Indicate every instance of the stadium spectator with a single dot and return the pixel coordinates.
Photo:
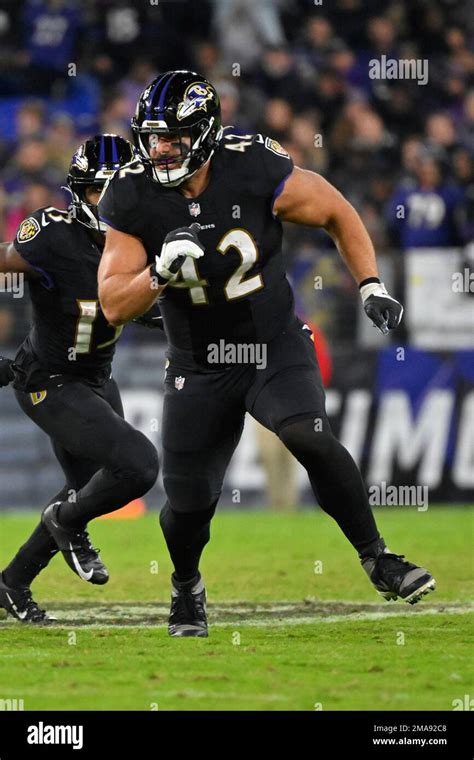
(244, 26)
(30, 120)
(36, 195)
(51, 29)
(303, 74)
(422, 211)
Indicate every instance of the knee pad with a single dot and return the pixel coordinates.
(188, 493)
(137, 459)
(172, 519)
(308, 439)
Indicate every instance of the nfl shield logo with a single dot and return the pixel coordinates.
(179, 383)
(194, 209)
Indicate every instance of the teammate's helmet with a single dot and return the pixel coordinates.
(93, 163)
(180, 103)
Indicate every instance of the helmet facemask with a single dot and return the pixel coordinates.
(171, 170)
(80, 209)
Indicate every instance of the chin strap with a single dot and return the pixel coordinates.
(77, 204)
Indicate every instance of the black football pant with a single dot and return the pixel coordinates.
(203, 419)
(106, 463)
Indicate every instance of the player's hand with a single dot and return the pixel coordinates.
(178, 244)
(384, 311)
(6, 371)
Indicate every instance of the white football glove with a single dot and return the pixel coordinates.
(384, 311)
(178, 244)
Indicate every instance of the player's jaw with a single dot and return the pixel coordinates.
(92, 194)
(168, 150)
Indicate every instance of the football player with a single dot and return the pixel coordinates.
(62, 378)
(227, 287)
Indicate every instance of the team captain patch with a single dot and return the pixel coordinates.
(28, 229)
(275, 147)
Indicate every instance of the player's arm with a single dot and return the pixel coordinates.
(125, 284)
(11, 261)
(307, 198)
(128, 287)
(6, 371)
(151, 319)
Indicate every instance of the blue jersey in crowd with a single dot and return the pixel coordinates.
(425, 217)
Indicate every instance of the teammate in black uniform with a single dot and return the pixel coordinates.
(62, 379)
(235, 344)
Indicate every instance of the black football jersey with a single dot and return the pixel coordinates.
(238, 291)
(69, 333)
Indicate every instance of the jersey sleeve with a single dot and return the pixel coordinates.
(33, 244)
(272, 167)
(119, 205)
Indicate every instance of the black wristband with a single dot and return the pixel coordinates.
(153, 273)
(368, 280)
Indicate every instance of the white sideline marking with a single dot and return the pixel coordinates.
(315, 617)
(355, 616)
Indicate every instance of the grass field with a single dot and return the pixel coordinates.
(282, 636)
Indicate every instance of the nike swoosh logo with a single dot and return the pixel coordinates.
(43, 221)
(79, 570)
(21, 615)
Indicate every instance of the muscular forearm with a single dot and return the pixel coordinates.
(307, 198)
(353, 242)
(126, 296)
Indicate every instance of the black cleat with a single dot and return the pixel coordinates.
(394, 577)
(188, 608)
(76, 548)
(19, 603)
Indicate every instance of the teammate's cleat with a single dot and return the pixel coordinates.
(19, 603)
(76, 548)
(188, 608)
(394, 577)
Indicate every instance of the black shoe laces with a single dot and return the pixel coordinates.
(187, 608)
(26, 603)
(84, 545)
(391, 563)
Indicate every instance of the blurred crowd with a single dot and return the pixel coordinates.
(294, 69)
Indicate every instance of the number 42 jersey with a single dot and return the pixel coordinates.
(238, 291)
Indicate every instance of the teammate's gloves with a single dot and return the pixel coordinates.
(151, 318)
(178, 244)
(384, 311)
(6, 371)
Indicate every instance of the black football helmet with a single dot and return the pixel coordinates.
(180, 103)
(93, 163)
